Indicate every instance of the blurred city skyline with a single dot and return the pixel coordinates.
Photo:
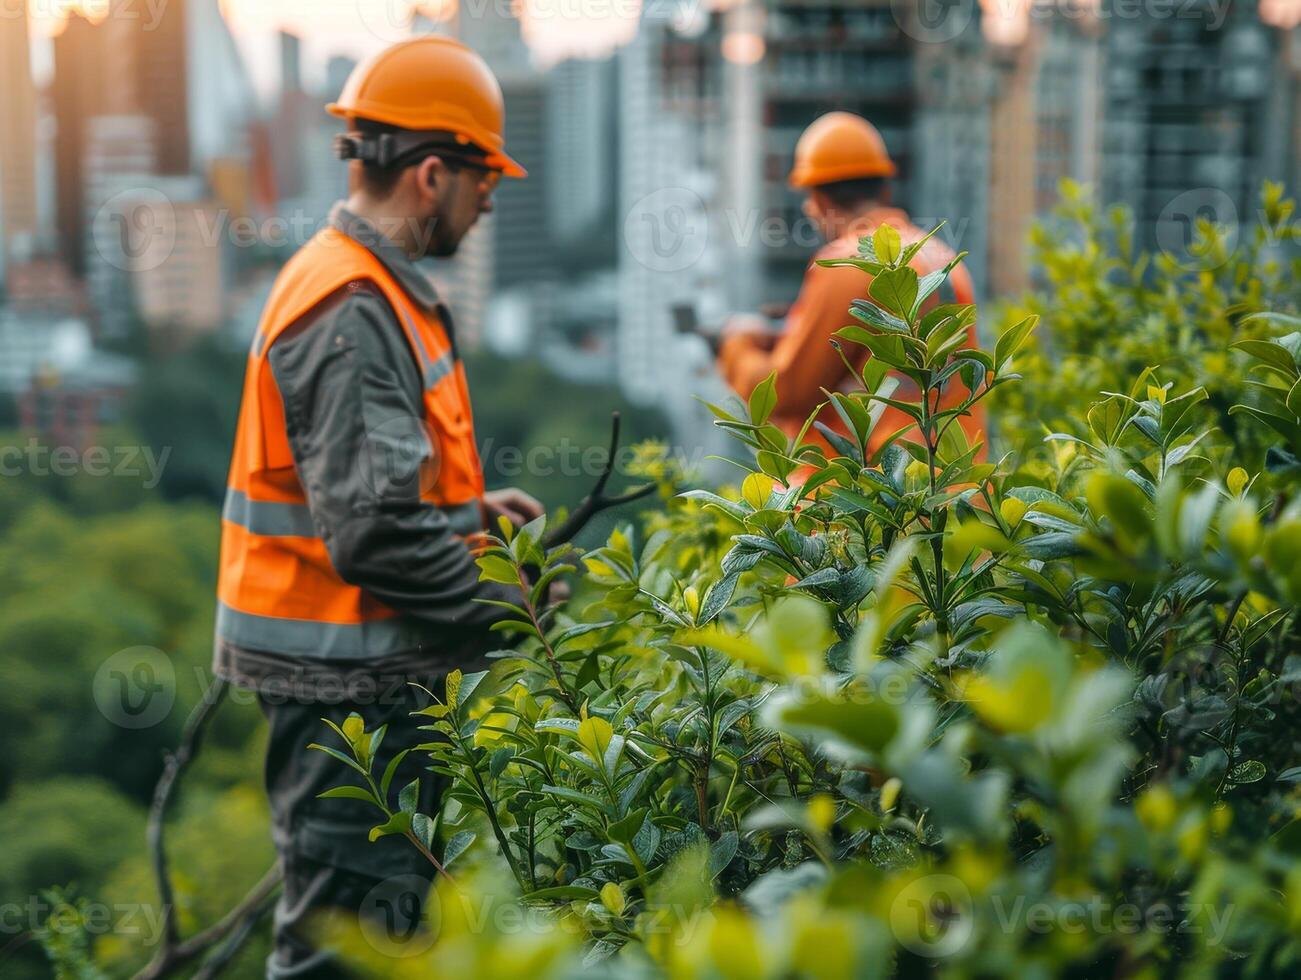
(356, 28)
(180, 151)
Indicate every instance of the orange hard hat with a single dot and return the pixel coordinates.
(839, 146)
(431, 83)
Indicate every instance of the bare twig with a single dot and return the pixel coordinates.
(174, 952)
(238, 923)
(597, 501)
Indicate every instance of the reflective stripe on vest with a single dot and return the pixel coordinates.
(269, 518)
(278, 590)
(325, 641)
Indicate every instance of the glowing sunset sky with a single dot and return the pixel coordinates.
(553, 28)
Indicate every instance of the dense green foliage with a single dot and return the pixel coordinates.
(940, 710)
(937, 709)
(1112, 310)
(83, 580)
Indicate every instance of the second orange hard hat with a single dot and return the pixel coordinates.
(427, 84)
(839, 146)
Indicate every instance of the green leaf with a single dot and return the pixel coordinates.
(594, 735)
(494, 568)
(1270, 353)
(409, 798)
(888, 347)
(886, 243)
(453, 685)
(500, 760)
(895, 290)
(720, 593)
(336, 754)
(626, 829)
(868, 266)
(573, 796)
(867, 725)
(399, 823)
(874, 316)
(763, 399)
(1121, 502)
(1252, 771)
(1012, 340)
(347, 793)
(458, 845)
(467, 687)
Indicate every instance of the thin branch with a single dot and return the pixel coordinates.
(173, 766)
(597, 501)
(233, 930)
(235, 926)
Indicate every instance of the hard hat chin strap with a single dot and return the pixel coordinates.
(386, 150)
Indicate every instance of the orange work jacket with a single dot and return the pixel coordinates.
(803, 357)
(277, 588)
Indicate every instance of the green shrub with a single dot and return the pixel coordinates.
(1111, 310)
(927, 710)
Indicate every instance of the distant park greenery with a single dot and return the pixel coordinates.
(939, 708)
(91, 565)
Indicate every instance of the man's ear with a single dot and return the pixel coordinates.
(817, 203)
(428, 172)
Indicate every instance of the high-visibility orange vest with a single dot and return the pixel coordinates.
(278, 590)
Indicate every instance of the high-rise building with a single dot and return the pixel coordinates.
(1195, 109)
(670, 258)
(582, 157)
(1177, 117)
(135, 62)
(819, 56)
(521, 248)
(177, 272)
(159, 52)
(18, 198)
(294, 116)
(82, 88)
(120, 173)
(951, 141)
(220, 96)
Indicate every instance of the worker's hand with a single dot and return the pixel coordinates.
(512, 503)
(754, 328)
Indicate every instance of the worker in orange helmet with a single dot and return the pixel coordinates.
(356, 496)
(842, 163)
